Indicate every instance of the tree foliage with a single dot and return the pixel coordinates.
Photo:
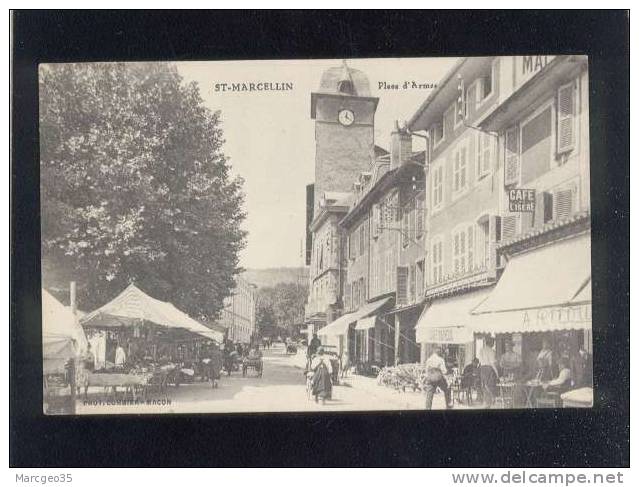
(281, 306)
(135, 186)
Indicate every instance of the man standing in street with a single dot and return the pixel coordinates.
(436, 369)
(488, 371)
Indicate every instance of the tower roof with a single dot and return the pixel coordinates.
(344, 80)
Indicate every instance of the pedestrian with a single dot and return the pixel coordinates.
(488, 371)
(322, 369)
(510, 362)
(120, 356)
(470, 380)
(314, 345)
(435, 371)
(545, 361)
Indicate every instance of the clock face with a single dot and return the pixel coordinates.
(346, 117)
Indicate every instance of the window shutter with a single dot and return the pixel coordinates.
(456, 172)
(420, 278)
(405, 225)
(511, 163)
(463, 163)
(527, 221)
(508, 226)
(471, 248)
(362, 290)
(480, 152)
(351, 239)
(375, 229)
(565, 119)
(347, 297)
(413, 283)
(548, 206)
(419, 218)
(563, 204)
(471, 99)
(402, 291)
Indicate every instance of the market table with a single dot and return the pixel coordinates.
(129, 381)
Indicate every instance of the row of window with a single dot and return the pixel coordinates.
(323, 253)
(469, 246)
(358, 240)
(475, 153)
(355, 294)
(382, 271)
(384, 219)
(474, 95)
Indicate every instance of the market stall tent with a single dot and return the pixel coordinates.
(62, 336)
(132, 306)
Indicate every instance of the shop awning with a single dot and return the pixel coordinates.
(542, 290)
(448, 320)
(554, 318)
(366, 323)
(585, 295)
(546, 277)
(341, 324)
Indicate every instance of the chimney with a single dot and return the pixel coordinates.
(401, 146)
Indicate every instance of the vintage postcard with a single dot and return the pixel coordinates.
(316, 235)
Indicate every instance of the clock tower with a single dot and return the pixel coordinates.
(344, 114)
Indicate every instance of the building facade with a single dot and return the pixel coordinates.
(344, 114)
(485, 233)
(462, 214)
(384, 233)
(326, 272)
(508, 217)
(238, 313)
(544, 293)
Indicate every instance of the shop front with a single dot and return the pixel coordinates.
(542, 306)
(353, 336)
(446, 324)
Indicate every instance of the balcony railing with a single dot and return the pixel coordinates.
(485, 272)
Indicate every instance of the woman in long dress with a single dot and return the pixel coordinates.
(322, 370)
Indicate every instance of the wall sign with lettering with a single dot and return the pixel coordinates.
(521, 200)
(527, 66)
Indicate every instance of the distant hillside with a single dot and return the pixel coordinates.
(272, 276)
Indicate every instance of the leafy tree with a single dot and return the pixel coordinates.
(135, 186)
(281, 306)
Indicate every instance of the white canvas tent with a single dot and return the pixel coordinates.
(62, 336)
(133, 306)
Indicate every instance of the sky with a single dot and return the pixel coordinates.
(270, 136)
